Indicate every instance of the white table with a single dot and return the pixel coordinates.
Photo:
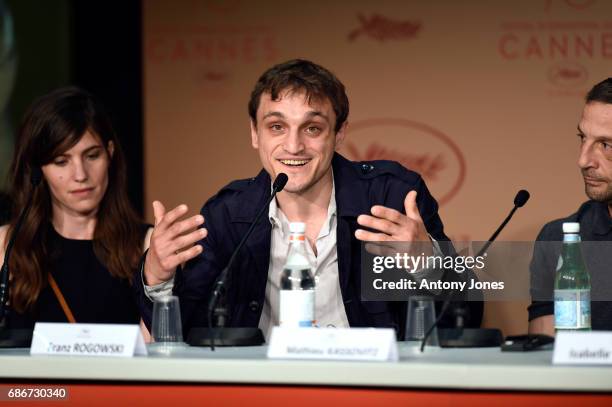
(445, 372)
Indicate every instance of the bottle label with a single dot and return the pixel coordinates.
(297, 308)
(572, 309)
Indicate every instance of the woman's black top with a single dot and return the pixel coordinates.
(92, 293)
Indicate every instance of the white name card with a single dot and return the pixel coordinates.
(333, 344)
(583, 348)
(114, 340)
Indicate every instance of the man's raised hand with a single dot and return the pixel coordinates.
(392, 224)
(172, 242)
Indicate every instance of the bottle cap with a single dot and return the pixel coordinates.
(297, 227)
(571, 227)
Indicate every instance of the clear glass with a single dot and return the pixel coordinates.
(421, 316)
(166, 326)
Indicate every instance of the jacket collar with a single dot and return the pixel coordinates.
(350, 200)
(602, 221)
(251, 199)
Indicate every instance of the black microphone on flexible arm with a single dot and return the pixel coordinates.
(15, 338)
(520, 200)
(461, 337)
(217, 308)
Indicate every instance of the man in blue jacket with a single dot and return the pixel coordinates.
(298, 114)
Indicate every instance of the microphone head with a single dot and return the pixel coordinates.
(521, 198)
(280, 182)
(36, 176)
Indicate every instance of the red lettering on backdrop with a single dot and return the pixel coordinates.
(226, 50)
(203, 48)
(533, 48)
(606, 45)
(555, 46)
(269, 48)
(179, 51)
(210, 54)
(504, 48)
(246, 49)
(566, 43)
(558, 45)
(582, 45)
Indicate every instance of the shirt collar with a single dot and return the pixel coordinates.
(275, 214)
(331, 212)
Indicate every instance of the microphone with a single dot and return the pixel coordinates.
(233, 336)
(277, 186)
(280, 182)
(15, 339)
(464, 337)
(520, 200)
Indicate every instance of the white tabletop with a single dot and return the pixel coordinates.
(486, 368)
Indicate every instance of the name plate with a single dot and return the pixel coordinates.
(583, 348)
(116, 340)
(333, 344)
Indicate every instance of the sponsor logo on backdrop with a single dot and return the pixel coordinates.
(568, 74)
(565, 45)
(417, 146)
(381, 28)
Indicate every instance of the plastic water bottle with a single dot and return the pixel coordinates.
(297, 285)
(572, 284)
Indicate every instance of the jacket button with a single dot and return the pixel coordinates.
(366, 168)
(254, 306)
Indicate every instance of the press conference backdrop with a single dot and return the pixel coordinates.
(481, 97)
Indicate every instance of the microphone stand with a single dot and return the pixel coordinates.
(220, 335)
(461, 337)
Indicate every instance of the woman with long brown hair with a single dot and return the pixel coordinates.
(75, 255)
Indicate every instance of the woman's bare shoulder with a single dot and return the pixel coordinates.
(3, 233)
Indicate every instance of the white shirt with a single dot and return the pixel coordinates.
(329, 307)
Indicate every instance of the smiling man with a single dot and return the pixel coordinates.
(594, 216)
(298, 112)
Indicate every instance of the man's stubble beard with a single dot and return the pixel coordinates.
(605, 196)
(308, 186)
